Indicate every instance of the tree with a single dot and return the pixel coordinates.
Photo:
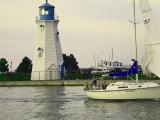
(70, 63)
(25, 66)
(4, 65)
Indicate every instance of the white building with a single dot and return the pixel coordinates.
(47, 57)
(109, 65)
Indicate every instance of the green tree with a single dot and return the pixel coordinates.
(4, 65)
(25, 66)
(70, 63)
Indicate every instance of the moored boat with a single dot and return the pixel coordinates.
(126, 91)
(150, 65)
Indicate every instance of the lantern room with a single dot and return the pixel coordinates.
(46, 11)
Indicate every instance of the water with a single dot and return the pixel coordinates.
(69, 103)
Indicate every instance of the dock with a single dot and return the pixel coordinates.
(56, 83)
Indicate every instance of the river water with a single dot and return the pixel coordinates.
(69, 103)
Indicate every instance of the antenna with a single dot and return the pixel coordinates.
(95, 59)
(109, 56)
(112, 53)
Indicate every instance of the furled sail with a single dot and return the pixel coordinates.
(151, 58)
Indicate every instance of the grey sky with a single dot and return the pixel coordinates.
(85, 26)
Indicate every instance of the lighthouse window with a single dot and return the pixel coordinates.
(44, 12)
(40, 52)
(42, 27)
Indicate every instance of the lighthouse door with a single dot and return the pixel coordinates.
(52, 73)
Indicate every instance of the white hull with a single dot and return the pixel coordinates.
(129, 94)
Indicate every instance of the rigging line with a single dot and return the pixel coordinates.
(153, 44)
(146, 10)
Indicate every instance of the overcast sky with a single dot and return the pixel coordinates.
(85, 26)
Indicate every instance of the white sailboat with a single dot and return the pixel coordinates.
(151, 64)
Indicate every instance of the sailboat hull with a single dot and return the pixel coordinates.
(129, 94)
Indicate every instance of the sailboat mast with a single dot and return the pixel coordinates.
(112, 54)
(95, 63)
(135, 29)
(135, 33)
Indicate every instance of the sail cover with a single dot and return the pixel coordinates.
(151, 58)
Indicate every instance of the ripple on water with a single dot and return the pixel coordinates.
(69, 103)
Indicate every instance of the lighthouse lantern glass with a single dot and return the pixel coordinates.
(44, 11)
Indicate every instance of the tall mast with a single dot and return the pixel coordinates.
(135, 28)
(95, 63)
(112, 54)
(135, 33)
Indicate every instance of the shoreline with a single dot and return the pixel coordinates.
(37, 83)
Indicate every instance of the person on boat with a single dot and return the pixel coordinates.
(94, 84)
(104, 85)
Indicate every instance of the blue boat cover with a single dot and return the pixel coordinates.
(132, 70)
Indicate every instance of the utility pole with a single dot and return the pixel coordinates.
(11, 63)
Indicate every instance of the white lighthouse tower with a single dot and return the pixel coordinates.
(47, 58)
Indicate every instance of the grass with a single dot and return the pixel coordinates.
(73, 76)
(15, 77)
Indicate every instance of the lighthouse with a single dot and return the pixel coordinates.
(47, 55)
